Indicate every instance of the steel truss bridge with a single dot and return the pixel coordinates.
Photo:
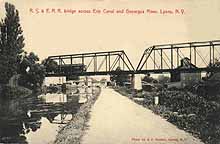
(179, 57)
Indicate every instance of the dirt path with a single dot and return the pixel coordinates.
(117, 120)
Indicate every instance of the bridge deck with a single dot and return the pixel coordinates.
(116, 120)
(217, 69)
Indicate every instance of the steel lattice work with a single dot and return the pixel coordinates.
(97, 63)
(191, 57)
(181, 57)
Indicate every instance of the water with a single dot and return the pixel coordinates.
(36, 120)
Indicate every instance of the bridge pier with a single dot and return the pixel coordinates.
(132, 85)
(135, 83)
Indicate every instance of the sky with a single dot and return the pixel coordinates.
(54, 33)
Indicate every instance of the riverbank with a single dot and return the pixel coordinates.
(189, 112)
(74, 130)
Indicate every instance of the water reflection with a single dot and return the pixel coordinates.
(36, 119)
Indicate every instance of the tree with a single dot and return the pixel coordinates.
(51, 65)
(32, 58)
(28, 60)
(33, 78)
(147, 78)
(120, 79)
(163, 79)
(11, 43)
(216, 64)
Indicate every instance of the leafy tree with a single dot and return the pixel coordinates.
(120, 79)
(32, 58)
(51, 65)
(216, 64)
(28, 61)
(147, 78)
(163, 79)
(33, 78)
(11, 43)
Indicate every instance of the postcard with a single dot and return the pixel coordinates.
(109, 72)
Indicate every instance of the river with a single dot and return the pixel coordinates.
(37, 119)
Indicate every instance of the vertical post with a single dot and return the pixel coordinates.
(95, 63)
(123, 64)
(213, 54)
(210, 53)
(177, 57)
(106, 63)
(71, 60)
(171, 56)
(190, 53)
(195, 56)
(71, 64)
(60, 65)
(83, 59)
(161, 58)
(119, 61)
(109, 62)
(154, 59)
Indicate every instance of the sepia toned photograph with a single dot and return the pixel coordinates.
(109, 72)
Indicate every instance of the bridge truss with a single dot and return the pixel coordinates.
(180, 57)
(170, 57)
(97, 63)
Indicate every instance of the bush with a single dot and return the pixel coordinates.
(193, 113)
(9, 92)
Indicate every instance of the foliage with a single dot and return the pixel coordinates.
(120, 79)
(163, 79)
(35, 76)
(209, 86)
(11, 60)
(197, 114)
(9, 92)
(28, 61)
(216, 64)
(51, 65)
(147, 78)
(11, 43)
(191, 112)
(32, 58)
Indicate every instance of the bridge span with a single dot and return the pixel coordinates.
(167, 58)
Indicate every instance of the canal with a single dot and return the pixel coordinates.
(38, 119)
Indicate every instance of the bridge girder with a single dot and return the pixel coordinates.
(156, 59)
(101, 63)
(169, 56)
